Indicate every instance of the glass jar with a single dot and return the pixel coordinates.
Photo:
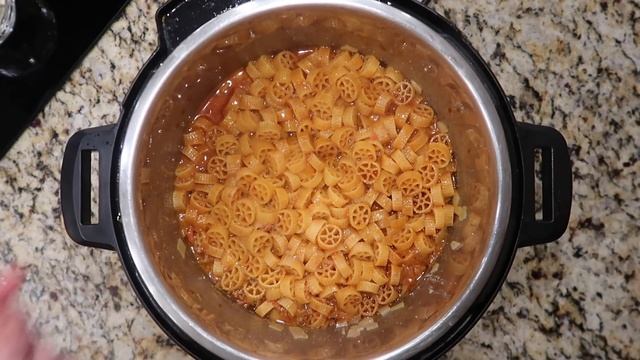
(27, 36)
(7, 18)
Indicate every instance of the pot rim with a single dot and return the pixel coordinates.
(131, 136)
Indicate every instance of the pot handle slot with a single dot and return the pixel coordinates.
(75, 187)
(178, 19)
(555, 171)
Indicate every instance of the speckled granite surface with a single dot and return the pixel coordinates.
(574, 65)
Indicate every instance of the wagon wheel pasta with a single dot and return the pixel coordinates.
(319, 189)
(255, 267)
(244, 212)
(327, 273)
(409, 183)
(429, 172)
(368, 305)
(402, 92)
(253, 292)
(438, 154)
(349, 87)
(359, 216)
(368, 171)
(421, 116)
(329, 237)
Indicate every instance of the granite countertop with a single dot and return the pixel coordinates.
(574, 65)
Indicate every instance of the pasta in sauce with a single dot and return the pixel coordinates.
(316, 187)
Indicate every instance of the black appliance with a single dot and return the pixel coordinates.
(48, 40)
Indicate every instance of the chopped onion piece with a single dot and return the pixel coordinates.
(461, 211)
(145, 175)
(397, 306)
(434, 268)
(371, 326)
(348, 48)
(276, 326)
(298, 333)
(354, 331)
(368, 324)
(365, 322)
(182, 248)
(355, 320)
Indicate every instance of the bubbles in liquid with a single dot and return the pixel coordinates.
(165, 110)
(459, 107)
(431, 69)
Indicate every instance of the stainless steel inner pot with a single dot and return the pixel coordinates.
(226, 43)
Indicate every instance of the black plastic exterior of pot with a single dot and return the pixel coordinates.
(177, 20)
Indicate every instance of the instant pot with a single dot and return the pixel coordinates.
(201, 43)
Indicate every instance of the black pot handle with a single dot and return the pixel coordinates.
(75, 187)
(178, 19)
(556, 184)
